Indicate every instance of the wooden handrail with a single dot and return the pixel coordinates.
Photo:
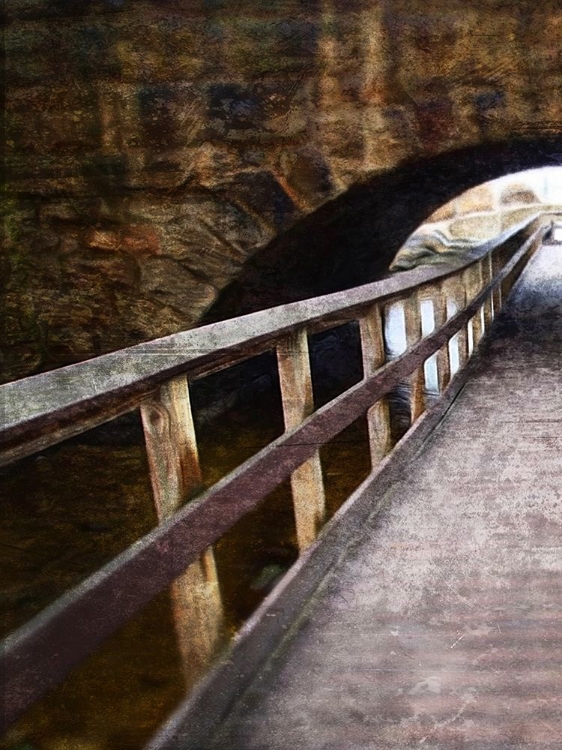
(42, 410)
(179, 551)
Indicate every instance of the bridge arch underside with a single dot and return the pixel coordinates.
(353, 239)
(158, 151)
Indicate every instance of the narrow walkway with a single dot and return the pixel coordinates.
(443, 626)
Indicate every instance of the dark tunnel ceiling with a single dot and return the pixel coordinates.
(352, 239)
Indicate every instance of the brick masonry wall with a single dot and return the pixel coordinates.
(153, 147)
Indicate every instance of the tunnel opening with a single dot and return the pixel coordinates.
(448, 234)
(354, 238)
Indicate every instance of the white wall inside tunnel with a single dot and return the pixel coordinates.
(480, 214)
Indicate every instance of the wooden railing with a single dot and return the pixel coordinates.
(45, 409)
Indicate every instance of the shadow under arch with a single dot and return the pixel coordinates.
(353, 238)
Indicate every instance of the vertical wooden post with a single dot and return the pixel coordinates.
(296, 392)
(440, 318)
(412, 318)
(467, 283)
(473, 288)
(176, 475)
(378, 418)
(497, 294)
(462, 335)
(507, 284)
(516, 272)
(486, 276)
(490, 278)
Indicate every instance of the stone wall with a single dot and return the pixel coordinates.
(154, 147)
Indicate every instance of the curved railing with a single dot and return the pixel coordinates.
(45, 409)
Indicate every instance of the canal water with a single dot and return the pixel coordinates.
(72, 508)
(75, 506)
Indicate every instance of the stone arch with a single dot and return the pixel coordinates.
(154, 148)
(352, 239)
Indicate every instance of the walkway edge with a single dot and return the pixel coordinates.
(195, 721)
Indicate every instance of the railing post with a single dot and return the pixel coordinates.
(507, 283)
(412, 319)
(497, 293)
(486, 274)
(176, 475)
(307, 485)
(473, 288)
(462, 335)
(378, 418)
(440, 318)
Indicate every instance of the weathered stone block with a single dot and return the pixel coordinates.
(190, 226)
(266, 111)
(211, 163)
(342, 133)
(448, 211)
(479, 226)
(109, 270)
(104, 239)
(480, 198)
(518, 192)
(306, 174)
(168, 114)
(135, 239)
(45, 240)
(59, 211)
(257, 46)
(119, 116)
(52, 119)
(168, 282)
(386, 149)
(261, 193)
(145, 45)
(144, 319)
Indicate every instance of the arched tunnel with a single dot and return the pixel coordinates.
(172, 163)
(353, 238)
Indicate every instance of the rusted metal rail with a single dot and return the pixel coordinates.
(45, 409)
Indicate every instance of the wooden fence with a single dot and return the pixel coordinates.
(43, 410)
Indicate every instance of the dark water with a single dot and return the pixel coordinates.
(74, 507)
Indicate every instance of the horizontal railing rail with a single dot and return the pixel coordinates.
(44, 409)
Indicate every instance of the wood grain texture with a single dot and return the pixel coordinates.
(440, 317)
(276, 720)
(412, 320)
(195, 720)
(171, 447)
(476, 282)
(175, 474)
(373, 353)
(458, 293)
(307, 485)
